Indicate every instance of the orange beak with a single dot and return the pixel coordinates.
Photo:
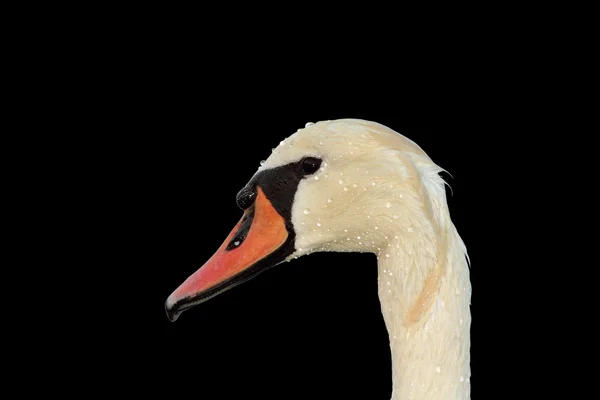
(259, 241)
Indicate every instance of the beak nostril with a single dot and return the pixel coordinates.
(241, 234)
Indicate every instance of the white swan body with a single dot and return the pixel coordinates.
(377, 191)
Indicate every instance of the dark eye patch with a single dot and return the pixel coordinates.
(279, 185)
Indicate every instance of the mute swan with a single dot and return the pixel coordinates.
(357, 186)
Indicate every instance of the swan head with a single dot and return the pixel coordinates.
(342, 185)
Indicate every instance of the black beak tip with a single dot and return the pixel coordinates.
(172, 311)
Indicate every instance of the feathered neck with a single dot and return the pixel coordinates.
(427, 314)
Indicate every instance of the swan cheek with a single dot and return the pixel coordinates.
(258, 242)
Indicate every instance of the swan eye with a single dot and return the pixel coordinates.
(310, 165)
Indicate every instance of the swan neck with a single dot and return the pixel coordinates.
(430, 355)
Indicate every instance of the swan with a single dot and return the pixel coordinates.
(352, 185)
